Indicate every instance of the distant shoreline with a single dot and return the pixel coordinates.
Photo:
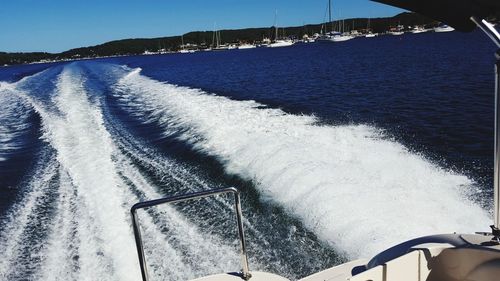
(203, 40)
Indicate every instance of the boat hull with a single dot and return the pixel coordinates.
(335, 39)
(444, 29)
(447, 257)
(280, 44)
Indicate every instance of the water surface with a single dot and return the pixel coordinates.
(334, 147)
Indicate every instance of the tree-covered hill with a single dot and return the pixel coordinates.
(203, 39)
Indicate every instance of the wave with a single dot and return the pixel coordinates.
(71, 126)
(81, 196)
(355, 188)
(22, 219)
(14, 114)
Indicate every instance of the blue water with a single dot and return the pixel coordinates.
(320, 138)
(432, 92)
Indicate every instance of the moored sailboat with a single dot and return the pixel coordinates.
(443, 28)
(279, 42)
(334, 36)
(369, 33)
(398, 30)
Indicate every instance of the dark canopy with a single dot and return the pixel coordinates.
(456, 13)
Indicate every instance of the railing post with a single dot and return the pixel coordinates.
(243, 251)
(139, 245)
(496, 192)
(491, 32)
(175, 199)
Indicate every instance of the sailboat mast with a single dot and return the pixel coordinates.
(214, 35)
(330, 13)
(276, 25)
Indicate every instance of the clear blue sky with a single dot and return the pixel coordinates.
(59, 25)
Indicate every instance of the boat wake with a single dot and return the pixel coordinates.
(14, 114)
(351, 185)
(73, 223)
(324, 192)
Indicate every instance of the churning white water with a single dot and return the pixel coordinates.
(353, 187)
(14, 114)
(73, 222)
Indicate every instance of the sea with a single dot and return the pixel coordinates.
(339, 150)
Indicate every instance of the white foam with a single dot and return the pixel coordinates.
(60, 259)
(90, 237)
(84, 150)
(355, 188)
(13, 120)
(206, 254)
(18, 219)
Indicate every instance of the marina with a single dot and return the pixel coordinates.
(331, 30)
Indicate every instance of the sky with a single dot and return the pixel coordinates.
(59, 25)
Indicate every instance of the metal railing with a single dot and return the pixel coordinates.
(494, 35)
(245, 274)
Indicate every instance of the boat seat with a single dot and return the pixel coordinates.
(461, 264)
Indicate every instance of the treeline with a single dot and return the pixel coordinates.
(17, 58)
(205, 38)
(248, 35)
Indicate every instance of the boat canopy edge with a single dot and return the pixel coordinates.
(456, 13)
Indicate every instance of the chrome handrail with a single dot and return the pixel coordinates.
(245, 274)
(494, 35)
